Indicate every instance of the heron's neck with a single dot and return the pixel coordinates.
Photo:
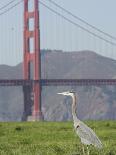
(74, 107)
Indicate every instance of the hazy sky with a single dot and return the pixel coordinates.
(57, 33)
(100, 13)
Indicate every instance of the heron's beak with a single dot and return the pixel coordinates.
(63, 93)
(60, 93)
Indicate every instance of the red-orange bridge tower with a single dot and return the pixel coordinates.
(32, 62)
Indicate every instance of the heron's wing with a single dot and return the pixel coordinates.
(87, 135)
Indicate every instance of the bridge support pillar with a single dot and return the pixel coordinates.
(27, 102)
(32, 57)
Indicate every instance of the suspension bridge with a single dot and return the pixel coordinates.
(30, 38)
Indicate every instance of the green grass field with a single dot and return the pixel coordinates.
(53, 138)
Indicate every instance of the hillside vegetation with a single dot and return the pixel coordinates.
(53, 138)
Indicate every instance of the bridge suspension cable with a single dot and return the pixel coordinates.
(7, 4)
(83, 21)
(11, 32)
(10, 8)
(74, 23)
(65, 35)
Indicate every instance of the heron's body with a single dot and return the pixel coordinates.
(85, 133)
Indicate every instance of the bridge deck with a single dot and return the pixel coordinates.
(57, 82)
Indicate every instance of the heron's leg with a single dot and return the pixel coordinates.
(83, 149)
(87, 150)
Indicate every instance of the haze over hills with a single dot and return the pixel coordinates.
(94, 102)
(83, 64)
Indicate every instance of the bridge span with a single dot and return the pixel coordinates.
(57, 82)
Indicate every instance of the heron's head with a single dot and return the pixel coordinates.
(67, 93)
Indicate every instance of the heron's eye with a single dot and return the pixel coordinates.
(77, 126)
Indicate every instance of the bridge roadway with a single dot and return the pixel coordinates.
(57, 82)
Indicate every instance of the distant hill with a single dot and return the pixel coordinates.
(94, 102)
(83, 64)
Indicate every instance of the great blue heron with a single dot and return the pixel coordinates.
(85, 133)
